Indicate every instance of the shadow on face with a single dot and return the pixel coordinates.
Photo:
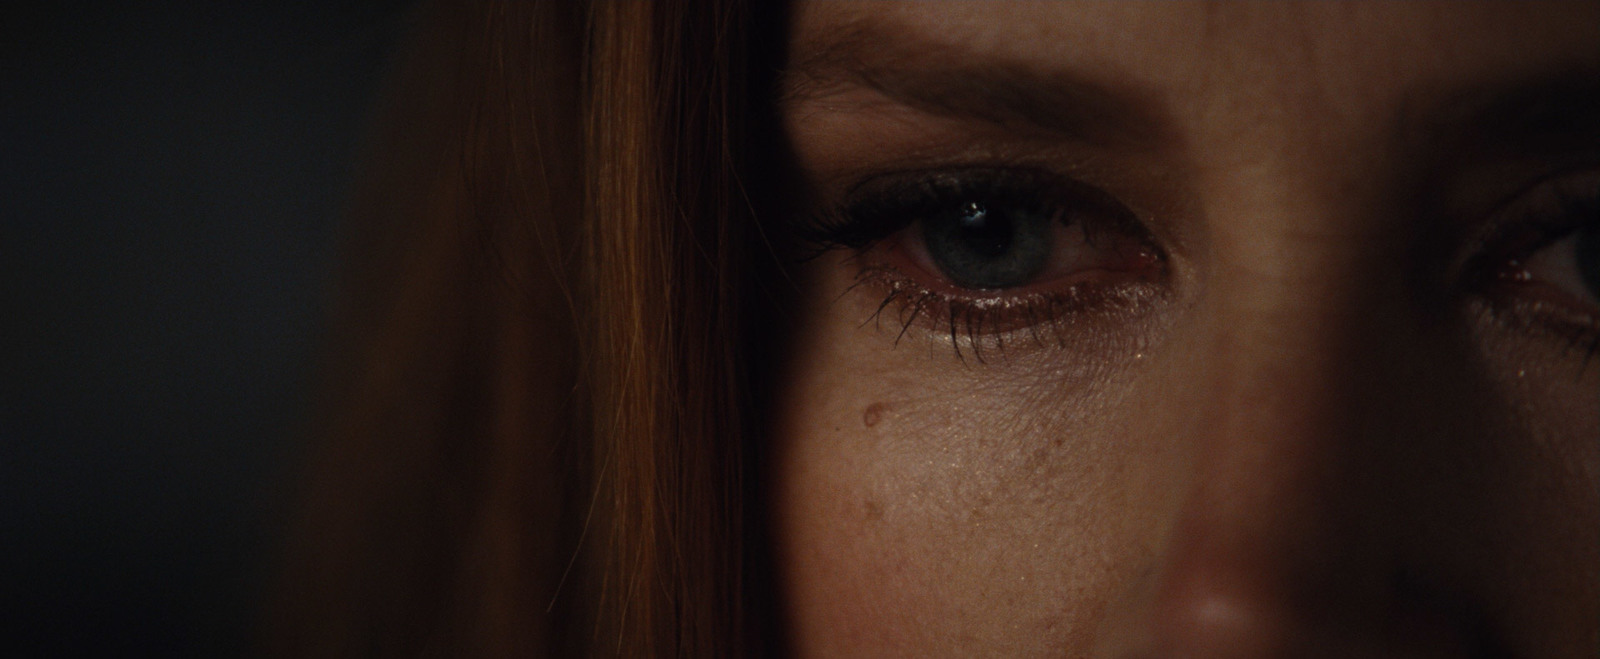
(1193, 330)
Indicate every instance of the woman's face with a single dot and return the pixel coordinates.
(1193, 330)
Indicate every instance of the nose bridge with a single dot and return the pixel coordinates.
(1287, 364)
(1284, 340)
(1306, 280)
(1288, 340)
(1297, 315)
(1290, 356)
(1304, 295)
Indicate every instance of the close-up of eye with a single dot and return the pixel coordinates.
(989, 250)
(1544, 266)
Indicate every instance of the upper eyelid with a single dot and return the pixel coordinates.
(894, 192)
(1514, 210)
(990, 180)
(857, 215)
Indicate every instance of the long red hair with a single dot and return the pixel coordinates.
(541, 437)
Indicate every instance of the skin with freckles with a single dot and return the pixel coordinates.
(1309, 391)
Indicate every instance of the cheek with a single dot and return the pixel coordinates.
(927, 504)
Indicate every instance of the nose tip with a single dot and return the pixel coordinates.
(1209, 617)
(1313, 513)
(1204, 608)
(1214, 603)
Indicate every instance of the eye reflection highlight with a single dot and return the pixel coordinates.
(985, 245)
(982, 252)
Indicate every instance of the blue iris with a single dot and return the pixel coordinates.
(978, 244)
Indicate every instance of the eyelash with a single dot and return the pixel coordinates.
(883, 207)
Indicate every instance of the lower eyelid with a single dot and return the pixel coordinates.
(977, 324)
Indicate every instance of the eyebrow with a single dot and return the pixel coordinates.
(948, 81)
(1555, 112)
(1550, 113)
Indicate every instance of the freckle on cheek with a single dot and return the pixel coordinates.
(874, 414)
(874, 511)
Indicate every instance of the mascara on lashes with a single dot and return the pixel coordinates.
(882, 206)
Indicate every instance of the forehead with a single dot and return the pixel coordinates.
(1333, 55)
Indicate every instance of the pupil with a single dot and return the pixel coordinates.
(986, 234)
(978, 244)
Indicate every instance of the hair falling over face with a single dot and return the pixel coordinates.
(536, 442)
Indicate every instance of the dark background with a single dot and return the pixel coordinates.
(171, 174)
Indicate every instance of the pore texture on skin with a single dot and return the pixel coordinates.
(1305, 369)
